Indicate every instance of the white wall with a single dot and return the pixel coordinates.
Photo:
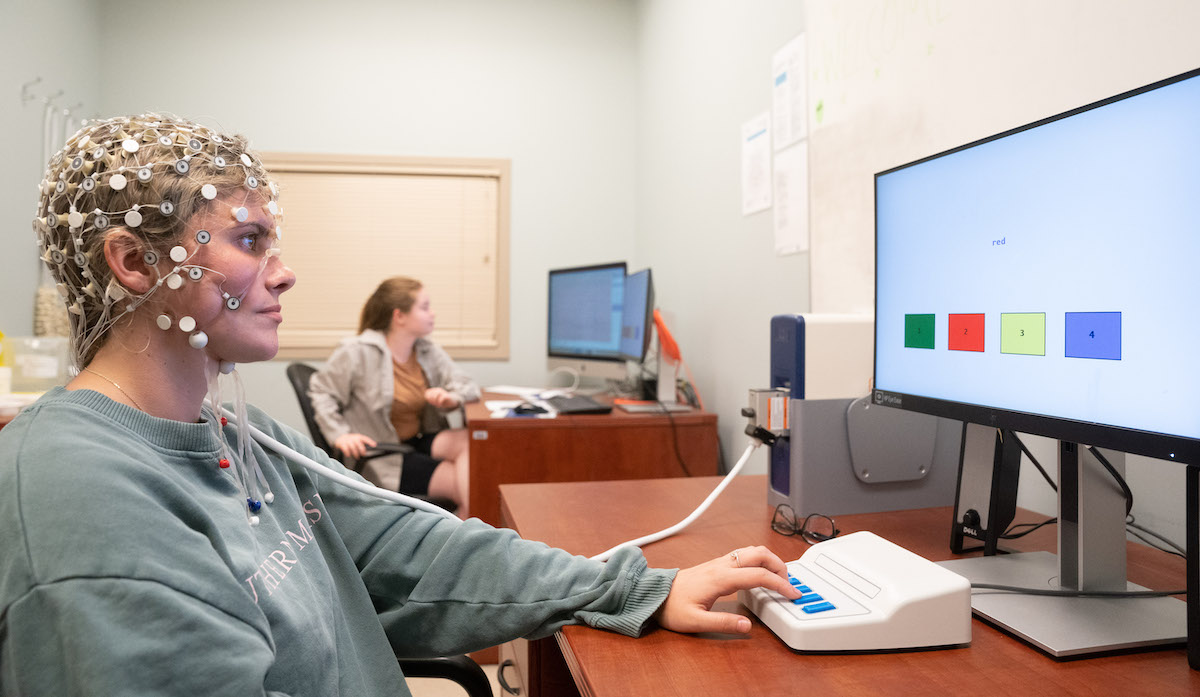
(53, 41)
(704, 68)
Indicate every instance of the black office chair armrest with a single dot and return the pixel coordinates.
(381, 449)
(460, 669)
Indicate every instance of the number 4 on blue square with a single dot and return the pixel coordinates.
(1094, 335)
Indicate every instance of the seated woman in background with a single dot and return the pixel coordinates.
(390, 383)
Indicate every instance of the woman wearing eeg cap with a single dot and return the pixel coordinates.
(151, 547)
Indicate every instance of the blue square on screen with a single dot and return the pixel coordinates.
(1094, 335)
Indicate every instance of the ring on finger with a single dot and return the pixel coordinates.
(736, 562)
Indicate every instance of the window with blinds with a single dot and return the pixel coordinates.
(350, 222)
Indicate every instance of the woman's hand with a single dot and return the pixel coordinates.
(688, 607)
(440, 398)
(354, 444)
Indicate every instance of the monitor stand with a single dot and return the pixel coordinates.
(664, 397)
(1091, 543)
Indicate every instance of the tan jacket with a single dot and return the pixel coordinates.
(353, 393)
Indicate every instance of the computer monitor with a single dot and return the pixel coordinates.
(1043, 281)
(586, 313)
(637, 316)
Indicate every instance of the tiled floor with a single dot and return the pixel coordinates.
(431, 687)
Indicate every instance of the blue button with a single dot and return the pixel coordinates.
(793, 580)
(820, 607)
(810, 598)
(803, 588)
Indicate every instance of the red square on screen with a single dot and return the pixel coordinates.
(966, 332)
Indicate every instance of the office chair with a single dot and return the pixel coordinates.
(299, 374)
(460, 669)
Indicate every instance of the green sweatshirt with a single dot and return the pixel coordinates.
(128, 566)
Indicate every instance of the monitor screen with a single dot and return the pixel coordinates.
(638, 315)
(1043, 279)
(586, 312)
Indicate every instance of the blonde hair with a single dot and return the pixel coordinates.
(397, 293)
(147, 175)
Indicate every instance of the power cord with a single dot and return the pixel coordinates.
(1130, 526)
(675, 440)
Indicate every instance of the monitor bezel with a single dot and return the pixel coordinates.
(648, 319)
(1164, 446)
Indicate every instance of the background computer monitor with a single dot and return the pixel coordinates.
(1043, 280)
(584, 320)
(637, 316)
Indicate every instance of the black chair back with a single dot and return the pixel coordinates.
(299, 374)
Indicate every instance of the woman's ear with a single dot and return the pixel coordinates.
(125, 255)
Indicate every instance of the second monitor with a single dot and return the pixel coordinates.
(598, 318)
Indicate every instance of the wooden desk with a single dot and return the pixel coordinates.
(664, 663)
(583, 448)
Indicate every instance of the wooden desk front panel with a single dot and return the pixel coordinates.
(604, 447)
(665, 663)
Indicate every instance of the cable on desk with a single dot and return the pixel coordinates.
(667, 532)
(1011, 534)
(1133, 529)
(675, 441)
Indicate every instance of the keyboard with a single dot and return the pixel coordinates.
(860, 592)
(577, 404)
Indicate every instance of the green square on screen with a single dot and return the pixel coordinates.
(918, 331)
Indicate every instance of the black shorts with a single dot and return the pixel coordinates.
(418, 466)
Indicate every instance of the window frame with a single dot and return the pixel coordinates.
(318, 342)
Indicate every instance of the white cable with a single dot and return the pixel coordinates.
(395, 497)
(312, 465)
(655, 537)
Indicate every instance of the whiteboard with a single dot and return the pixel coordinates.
(892, 81)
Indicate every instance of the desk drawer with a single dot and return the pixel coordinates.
(513, 669)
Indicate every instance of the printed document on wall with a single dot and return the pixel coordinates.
(789, 93)
(756, 164)
(791, 199)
